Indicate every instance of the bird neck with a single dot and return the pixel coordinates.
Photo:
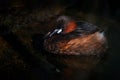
(70, 26)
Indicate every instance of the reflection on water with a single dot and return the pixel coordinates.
(74, 67)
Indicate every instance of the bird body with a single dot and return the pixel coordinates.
(75, 38)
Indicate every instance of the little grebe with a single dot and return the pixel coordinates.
(72, 37)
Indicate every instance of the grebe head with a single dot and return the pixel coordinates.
(68, 24)
(64, 25)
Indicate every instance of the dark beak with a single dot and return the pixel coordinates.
(56, 31)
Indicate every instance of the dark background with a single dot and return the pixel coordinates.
(24, 22)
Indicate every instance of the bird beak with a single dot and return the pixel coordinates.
(56, 31)
(59, 31)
